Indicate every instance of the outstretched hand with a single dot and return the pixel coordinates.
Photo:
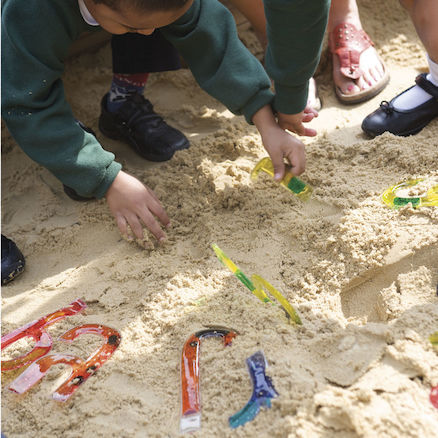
(294, 122)
(134, 204)
(279, 144)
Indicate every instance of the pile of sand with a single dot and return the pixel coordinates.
(362, 277)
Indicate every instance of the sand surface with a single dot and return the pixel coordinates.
(362, 277)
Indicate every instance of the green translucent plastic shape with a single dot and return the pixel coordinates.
(258, 285)
(389, 196)
(434, 339)
(290, 182)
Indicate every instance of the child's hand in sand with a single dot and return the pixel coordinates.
(279, 144)
(294, 122)
(134, 204)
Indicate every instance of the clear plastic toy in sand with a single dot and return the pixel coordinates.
(393, 198)
(289, 181)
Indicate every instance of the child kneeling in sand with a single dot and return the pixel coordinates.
(36, 36)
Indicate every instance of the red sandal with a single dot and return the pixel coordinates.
(348, 43)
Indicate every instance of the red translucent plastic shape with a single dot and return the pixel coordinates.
(190, 393)
(35, 330)
(434, 396)
(81, 370)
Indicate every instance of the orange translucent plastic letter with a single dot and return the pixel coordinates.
(81, 370)
(35, 330)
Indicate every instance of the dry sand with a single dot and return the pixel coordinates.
(362, 277)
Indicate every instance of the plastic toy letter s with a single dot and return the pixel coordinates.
(35, 330)
(81, 370)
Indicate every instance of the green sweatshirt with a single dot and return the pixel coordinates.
(295, 31)
(36, 37)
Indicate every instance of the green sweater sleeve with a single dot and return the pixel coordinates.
(295, 31)
(36, 36)
(206, 37)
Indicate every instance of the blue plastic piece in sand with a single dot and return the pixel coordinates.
(263, 391)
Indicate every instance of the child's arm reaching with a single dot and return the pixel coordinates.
(132, 203)
(279, 144)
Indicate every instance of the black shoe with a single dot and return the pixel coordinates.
(403, 122)
(137, 124)
(12, 260)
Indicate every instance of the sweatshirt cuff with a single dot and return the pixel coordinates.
(111, 172)
(290, 100)
(262, 98)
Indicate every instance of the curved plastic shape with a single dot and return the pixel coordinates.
(289, 181)
(81, 370)
(258, 286)
(263, 391)
(434, 339)
(35, 330)
(262, 284)
(190, 391)
(434, 396)
(389, 196)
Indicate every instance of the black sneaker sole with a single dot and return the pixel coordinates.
(115, 135)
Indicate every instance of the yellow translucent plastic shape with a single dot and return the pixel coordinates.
(290, 182)
(258, 286)
(434, 339)
(390, 198)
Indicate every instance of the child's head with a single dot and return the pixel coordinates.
(140, 16)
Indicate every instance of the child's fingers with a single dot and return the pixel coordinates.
(136, 226)
(158, 210)
(309, 132)
(122, 224)
(308, 117)
(297, 159)
(149, 220)
(311, 110)
(279, 168)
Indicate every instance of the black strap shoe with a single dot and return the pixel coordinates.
(137, 124)
(403, 122)
(12, 260)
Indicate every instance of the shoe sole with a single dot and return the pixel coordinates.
(401, 134)
(364, 96)
(114, 135)
(14, 274)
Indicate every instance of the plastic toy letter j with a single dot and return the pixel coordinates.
(190, 393)
(290, 182)
(390, 198)
(258, 286)
(35, 330)
(262, 393)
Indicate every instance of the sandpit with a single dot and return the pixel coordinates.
(362, 277)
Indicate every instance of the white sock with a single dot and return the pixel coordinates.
(416, 95)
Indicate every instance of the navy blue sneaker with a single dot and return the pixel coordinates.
(12, 260)
(137, 124)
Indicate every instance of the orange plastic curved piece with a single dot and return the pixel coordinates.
(81, 370)
(35, 330)
(190, 393)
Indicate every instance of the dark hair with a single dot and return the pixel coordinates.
(144, 5)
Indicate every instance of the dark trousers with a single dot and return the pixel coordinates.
(136, 53)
